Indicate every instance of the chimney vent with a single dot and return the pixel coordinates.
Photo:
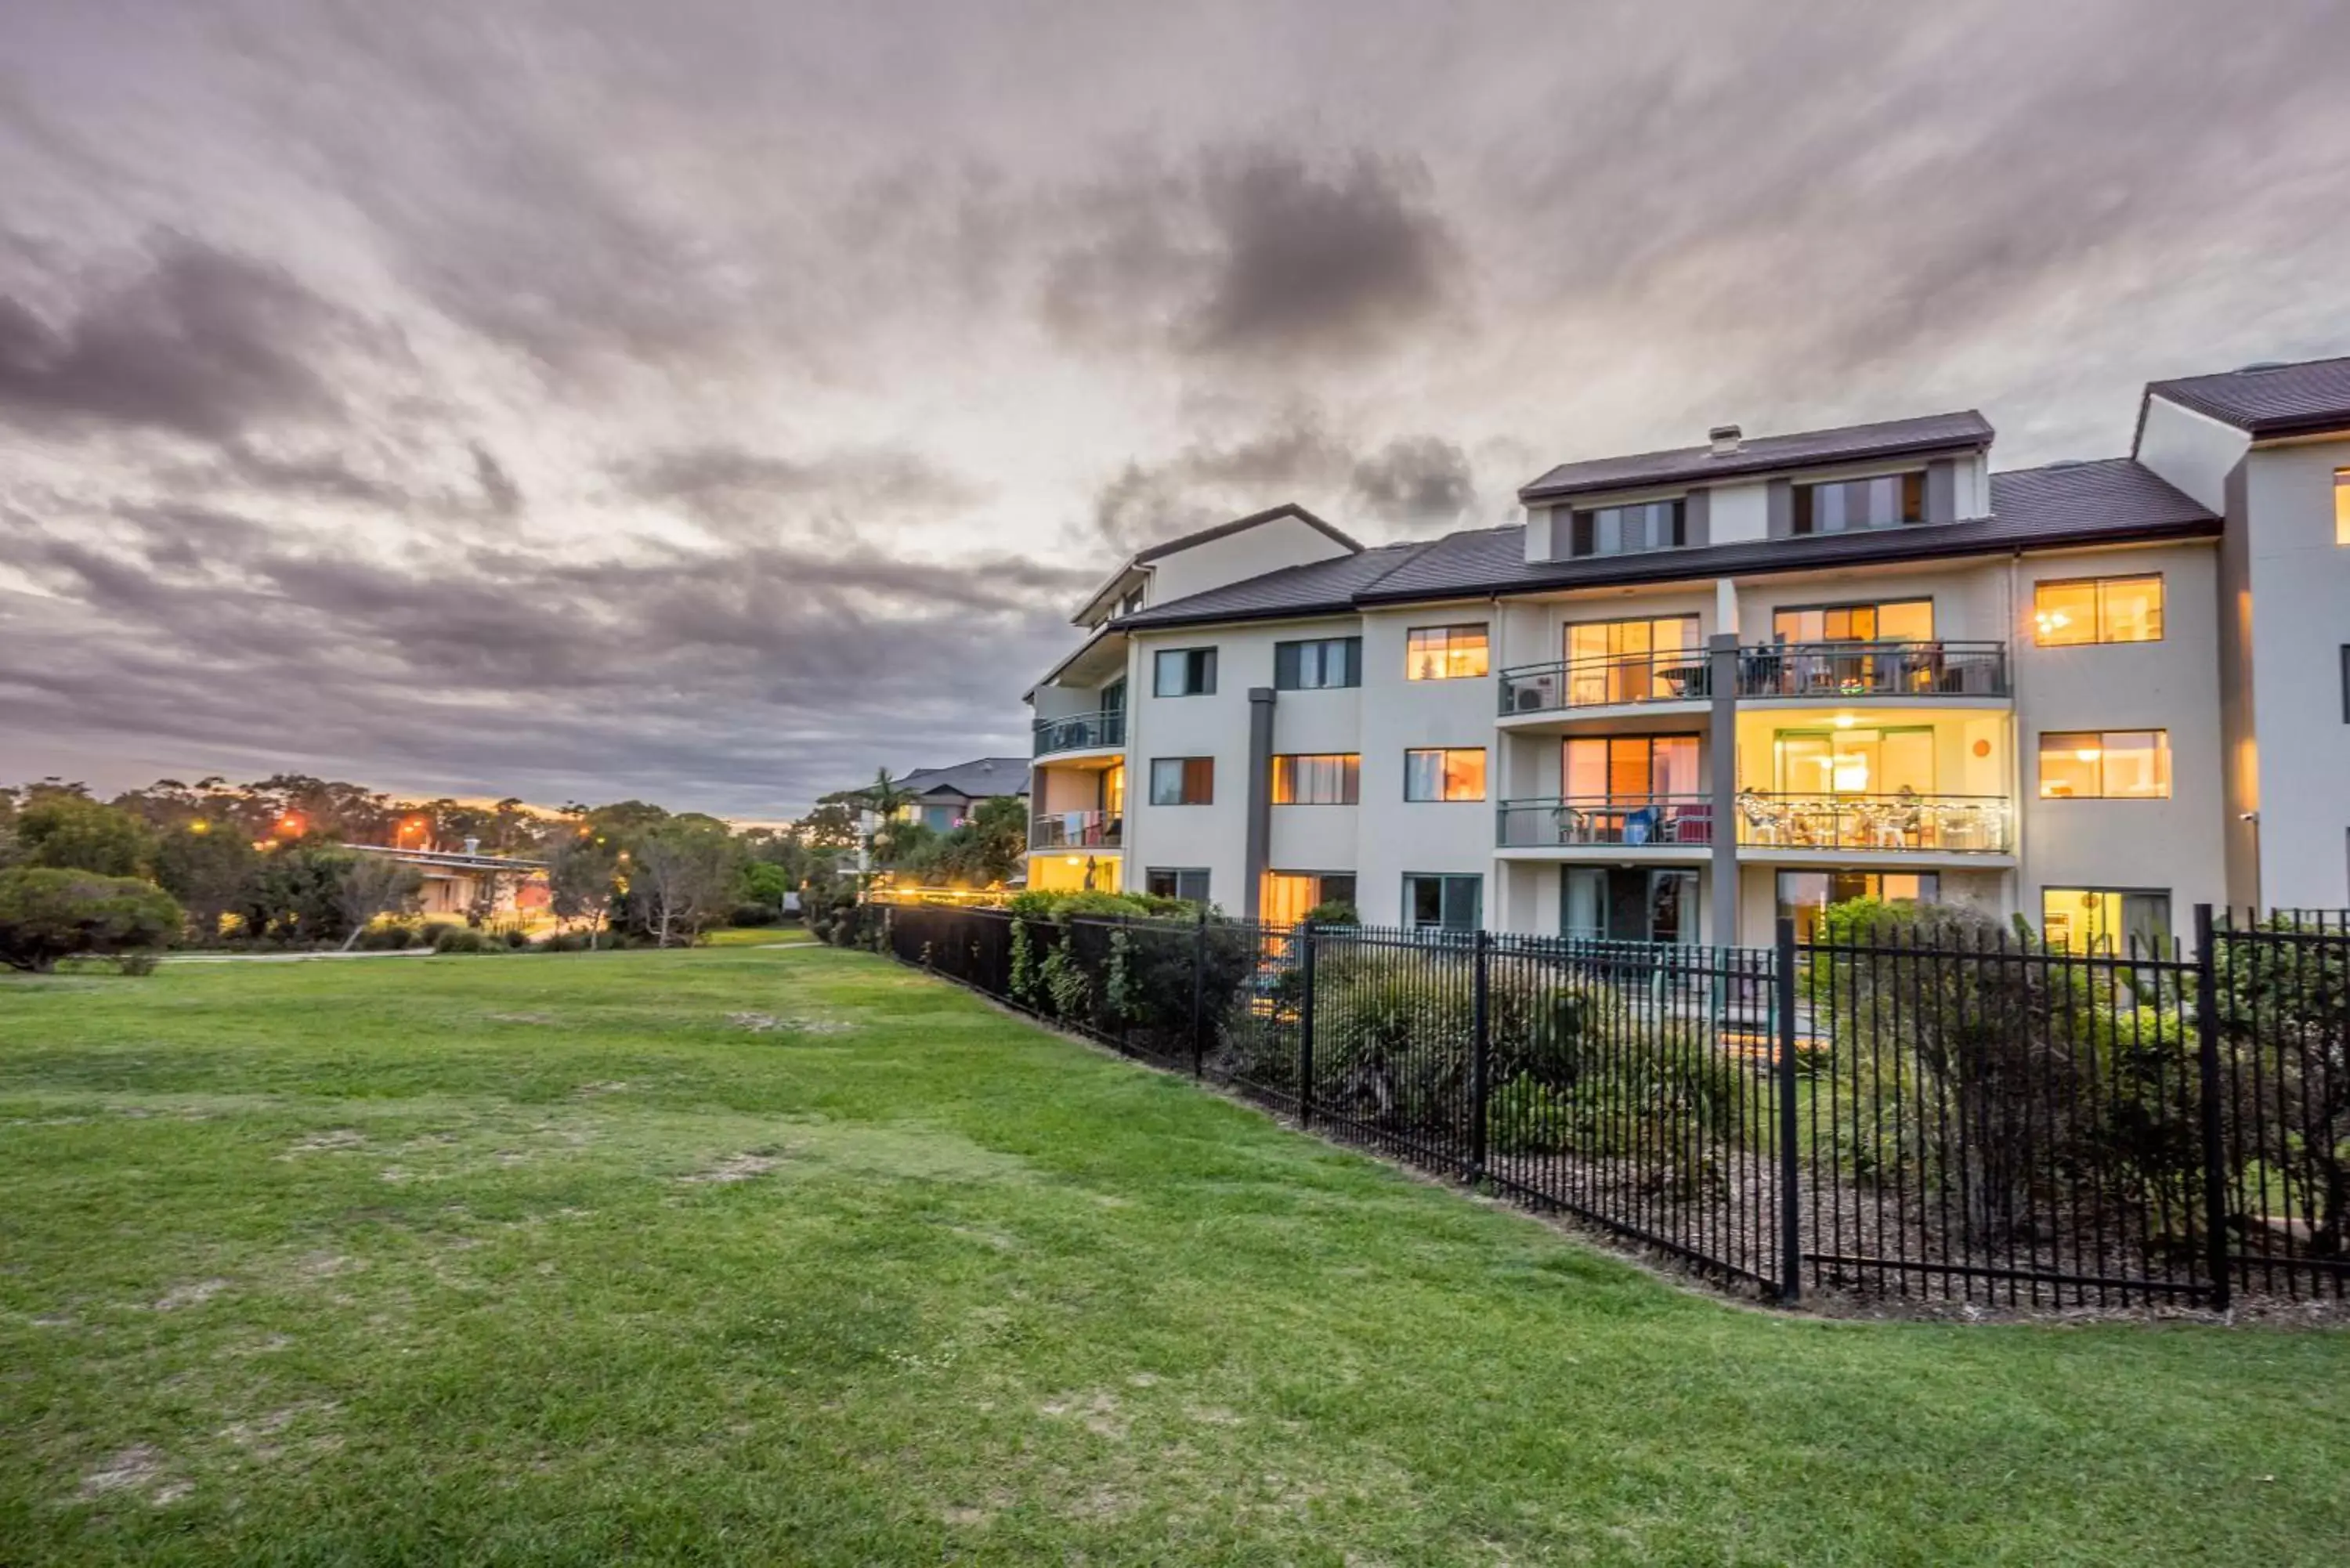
(1726, 439)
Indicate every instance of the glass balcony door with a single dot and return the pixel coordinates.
(1619, 660)
(1855, 762)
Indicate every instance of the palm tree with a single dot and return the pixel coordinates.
(884, 800)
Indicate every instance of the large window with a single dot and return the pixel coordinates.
(1847, 505)
(2106, 919)
(1184, 672)
(2108, 764)
(1854, 761)
(1330, 778)
(1633, 660)
(1182, 781)
(1627, 904)
(2342, 505)
(1901, 620)
(1443, 903)
(1629, 530)
(2097, 610)
(1317, 665)
(1177, 882)
(1451, 773)
(1290, 896)
(1804, 895)
(1444, 652)
(1629, 769)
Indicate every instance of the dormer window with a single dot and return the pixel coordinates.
(1630, 530)
(1131, 603)
(1849, 505)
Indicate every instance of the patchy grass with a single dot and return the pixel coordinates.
(785, 1254)
(754, 936)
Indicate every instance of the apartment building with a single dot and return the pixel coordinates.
(1697, 689)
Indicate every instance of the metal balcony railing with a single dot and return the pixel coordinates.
(1676, 675)
(1075, 830)
(1081, 731)
(1830, 671)
(1605, 821)
(1941, 824)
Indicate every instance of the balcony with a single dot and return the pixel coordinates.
(1075, 830)
(1675, 675)
(1832, 672)
(1917, 824)
(1660, 821)
(1081, 731)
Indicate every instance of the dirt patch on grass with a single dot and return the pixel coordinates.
(775, 1024)
(136, 1472)
(327, 1142)
(196, 1294)
(519, 1017)
(739, 1168)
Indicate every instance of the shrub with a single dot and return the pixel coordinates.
(392, 935)
(459, 940)
(1336, 912)
(48, 913)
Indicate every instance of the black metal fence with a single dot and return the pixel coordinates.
(1900, 1114)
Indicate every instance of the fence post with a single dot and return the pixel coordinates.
(1480, 1055)
(1790, 1230)
(2215, 1154)
(1199, 983)
(1306, 1027)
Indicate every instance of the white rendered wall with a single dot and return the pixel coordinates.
(2192, 453)
(1251, 552)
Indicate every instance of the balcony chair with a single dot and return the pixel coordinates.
(1765, 820)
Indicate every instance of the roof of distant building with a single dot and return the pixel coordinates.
(2268, 400)
(1762, 454)
(982, 778)
(2109, 501)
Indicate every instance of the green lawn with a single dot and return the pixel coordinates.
(787, 1255)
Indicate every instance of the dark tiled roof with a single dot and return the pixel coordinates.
(1317, 588)
(2271, 401)
(977, 779)
(2040, 508)
(1287, 509)
(1893, 438)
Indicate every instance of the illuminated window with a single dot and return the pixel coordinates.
(1444, 774)
(1629, 769)
(1289, 896)
(2097, 610)
(2106, 919)
(1804, 896)
(1633, 660)
(2110, 764)
(1331, 778)
(2342, 505)
(1182, 781)
(1444, 652)
(1902, 620)
(1851, 505)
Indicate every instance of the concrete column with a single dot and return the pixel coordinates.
(1259, 798)
(1721, 755)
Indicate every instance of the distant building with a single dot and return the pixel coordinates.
(455, 882)
(944, 798)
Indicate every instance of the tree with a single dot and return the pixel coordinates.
(48, 913)
(297, 895)
(74, 833)
(885, 800)
(831, 826)
(681, 879)
(208, 869)
(764, 885)
(367, 886)
(1002, 827)
(581, 880)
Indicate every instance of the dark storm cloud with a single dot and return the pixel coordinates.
(1416, 480)
(730, 486)
(201, 342)
(500, 494)
(1254, 252)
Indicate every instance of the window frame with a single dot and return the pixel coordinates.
(1583, 531)
(1288, 663)
(1446, 653)
(1206, 667)
(1350, 777)
(1444, 775)
(1876, 609)
(1183, 779)
(1177, 873)
(2104, 738)
(2099, 636)
(1445, 880)
(2342, 506)
(1803, 520)
(2122, 894)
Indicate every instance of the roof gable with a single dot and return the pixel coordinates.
(2266, 399)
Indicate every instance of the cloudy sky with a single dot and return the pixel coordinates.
(711, 402)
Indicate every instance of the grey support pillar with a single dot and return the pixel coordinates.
(1722, 754)
(1259, 799)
